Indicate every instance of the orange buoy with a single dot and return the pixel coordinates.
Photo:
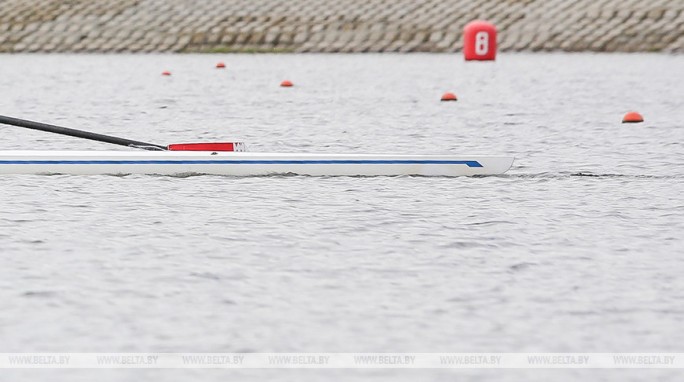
(286, 84)
(166, 73)
(220, 65)
(632, 117)
(479, 41)
(449, 97)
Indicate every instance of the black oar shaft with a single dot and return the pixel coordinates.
(78, 133)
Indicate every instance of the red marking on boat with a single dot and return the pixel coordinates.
(213, 146)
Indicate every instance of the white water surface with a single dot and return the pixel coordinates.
(578, 248)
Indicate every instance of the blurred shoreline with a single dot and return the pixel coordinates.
(345, 26)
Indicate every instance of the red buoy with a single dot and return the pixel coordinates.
(166, 73)
(449, 97)
(286, 84)
(632, 117)
(220, 65)
(479, 41)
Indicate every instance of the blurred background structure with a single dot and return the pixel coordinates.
(336, 25)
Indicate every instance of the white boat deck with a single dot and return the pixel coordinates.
(246, 163)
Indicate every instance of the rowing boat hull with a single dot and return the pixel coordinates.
(246, 163)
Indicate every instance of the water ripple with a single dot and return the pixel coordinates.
(577, 247)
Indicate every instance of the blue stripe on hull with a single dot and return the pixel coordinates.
(469, 163)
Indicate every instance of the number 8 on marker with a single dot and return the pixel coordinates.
(481, 43)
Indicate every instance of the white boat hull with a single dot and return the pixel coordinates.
(246, 163)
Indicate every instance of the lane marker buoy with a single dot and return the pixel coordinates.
(448, 96)
(286, 84)
(166, 73)
(479, 41)
(632, 117)
(220, 65)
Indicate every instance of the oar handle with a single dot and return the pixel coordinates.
(78, 133)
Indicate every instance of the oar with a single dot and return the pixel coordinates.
(210, 146)
(79, 133)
